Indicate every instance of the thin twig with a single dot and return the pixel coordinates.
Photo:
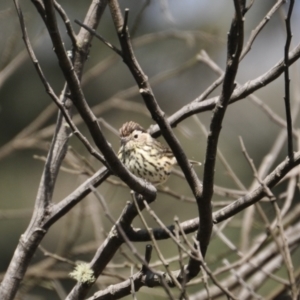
(286, 253)
(118, 225)
(240, 93)
(223, 288)
(69, 27)
(93, 32)
(160, 255)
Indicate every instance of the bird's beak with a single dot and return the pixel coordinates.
(123, 141)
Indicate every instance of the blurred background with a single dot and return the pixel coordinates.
(167, 37)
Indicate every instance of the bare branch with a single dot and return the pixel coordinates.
(238, 94)
(287, 80)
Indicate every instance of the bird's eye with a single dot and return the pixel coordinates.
(135, 136)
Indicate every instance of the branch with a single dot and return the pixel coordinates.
(142, 235)
(144, 277)
(287, 80)
(149, 98)
(235, 45)
(270, 181)
(103, 40)
(35, 231)
(85, 111)
(159, 116)
(114, 240)
(227, 212)
(266, 262)
(239, 93)
(69, 27)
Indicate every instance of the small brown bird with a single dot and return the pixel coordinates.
(144, 156)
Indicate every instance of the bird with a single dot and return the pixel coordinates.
(144, 156)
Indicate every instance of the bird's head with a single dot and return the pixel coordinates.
(132, 134)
